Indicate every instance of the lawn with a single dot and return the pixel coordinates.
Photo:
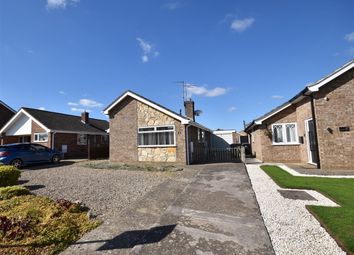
(339, 221)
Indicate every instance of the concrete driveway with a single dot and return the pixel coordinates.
(215, 212)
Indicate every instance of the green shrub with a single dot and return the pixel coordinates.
(9, 176)
(13, 191)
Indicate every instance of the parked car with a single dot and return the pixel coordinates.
(20, 154)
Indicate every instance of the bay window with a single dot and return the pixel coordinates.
(284, 133)
(157, 136)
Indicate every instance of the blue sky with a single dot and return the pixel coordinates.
(241, 58)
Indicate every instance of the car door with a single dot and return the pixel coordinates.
(26, 153)
(41, 153)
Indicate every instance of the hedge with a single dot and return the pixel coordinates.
(13, 191)
(9, 175)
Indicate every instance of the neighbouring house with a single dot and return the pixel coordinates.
(315, 126)
(224, 138)
(243, 137)
(75, 136)
(144, 131)
(6, 113)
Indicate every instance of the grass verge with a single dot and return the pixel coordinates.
(339, 221)
(38, 225)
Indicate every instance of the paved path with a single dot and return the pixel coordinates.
(213, 213)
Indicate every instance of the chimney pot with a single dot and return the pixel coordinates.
(85, 117)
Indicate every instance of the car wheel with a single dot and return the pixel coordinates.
(56, 159)
(17, 163)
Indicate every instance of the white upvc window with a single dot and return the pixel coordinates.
(40, 137)
(284, 133)
(157, 136)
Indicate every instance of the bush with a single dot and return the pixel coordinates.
(9, 176)
(13, 191)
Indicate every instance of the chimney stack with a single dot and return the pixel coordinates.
(85, 117)
(189, 109)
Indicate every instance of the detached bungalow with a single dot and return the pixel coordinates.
(75, 136)
(316, 126)
(142, 130)
(6, 113)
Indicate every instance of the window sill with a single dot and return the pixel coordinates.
(156, 146)
(285, 144)
(40, 141)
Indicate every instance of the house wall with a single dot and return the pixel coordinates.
(303, 113)
(125, 118)
(5, 115)
(336, 149)
(73, 149)
(148, 116)
(123, 126)
(279, 153)
(256, 143)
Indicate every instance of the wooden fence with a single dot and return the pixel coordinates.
(201, 155)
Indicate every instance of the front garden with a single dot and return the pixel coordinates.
(339, 221)
(32, 224)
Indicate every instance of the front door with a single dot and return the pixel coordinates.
(311, 142)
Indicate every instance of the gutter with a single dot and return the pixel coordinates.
(53, 139)
(313, 113)
(187, 143)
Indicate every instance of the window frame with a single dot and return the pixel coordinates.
(78, 140)
(158, 131)
(37, 134)
(285, 142)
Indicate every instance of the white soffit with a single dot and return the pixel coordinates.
(315, 87)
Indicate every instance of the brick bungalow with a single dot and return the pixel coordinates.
(77, 137)
(6, 113)
(314, 127)
(144, 131)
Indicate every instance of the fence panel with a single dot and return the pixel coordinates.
(201, 155)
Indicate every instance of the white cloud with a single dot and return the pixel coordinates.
(41, 108)
(89, 103)
(56, 4)
(241, 25)
(277, 97)
(86, 103)
(148, 50)
(74, 109)
(204, 91)
(349, 37)
(171, 6)
(216, 92)
(231, 109)
(144, 58)
(62, 93)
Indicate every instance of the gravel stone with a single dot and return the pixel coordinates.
(105, 192)
(292, 228)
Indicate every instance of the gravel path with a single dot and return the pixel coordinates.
(106, 192)
(292, 228)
